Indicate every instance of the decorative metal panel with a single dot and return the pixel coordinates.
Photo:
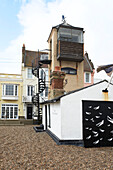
(97, 123)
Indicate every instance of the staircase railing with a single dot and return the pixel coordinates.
(36, 65)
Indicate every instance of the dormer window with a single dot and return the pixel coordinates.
(87, 77)
(44, 57)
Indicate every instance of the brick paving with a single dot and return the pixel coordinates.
(24, 149)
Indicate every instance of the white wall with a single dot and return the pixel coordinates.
(26, 81)
(66, 114)
(55, 113)
(71, 110)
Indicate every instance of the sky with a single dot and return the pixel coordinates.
(29, 22)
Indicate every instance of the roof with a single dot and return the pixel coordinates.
(58, 98)
(88, 65)
(31, 56)
(65, 25)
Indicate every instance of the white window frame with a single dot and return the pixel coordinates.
(30, 86)
(44, 57)
(46, 73)
(9, 105)
(46, 92)
(4, 90)
(29, 75)
(89, 77)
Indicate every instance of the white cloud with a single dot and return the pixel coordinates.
(38, 16)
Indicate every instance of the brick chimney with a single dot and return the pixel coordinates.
(56, 86)
(23, 53)
(23, 49)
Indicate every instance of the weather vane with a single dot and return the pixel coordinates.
(63, 19)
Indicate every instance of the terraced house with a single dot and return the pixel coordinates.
(30, 82)
(11, 106)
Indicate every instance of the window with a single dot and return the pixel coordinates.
(49, 116)
(46, 92)
(15, 90)
(51, 50)
(46, 72)
(3, 112)
(44, 57)
(29, 73)
(30, 90)
(41, 94)
(9, 111)
(10, 90)
(69, 70)
(72, 35)
(42, 74)
(87, 77)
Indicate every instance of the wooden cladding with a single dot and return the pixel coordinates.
(70, 51)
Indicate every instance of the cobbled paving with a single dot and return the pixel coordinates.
(24, 149)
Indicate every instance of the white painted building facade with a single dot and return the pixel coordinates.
(29, 87)
(30, 81)
(65, 114)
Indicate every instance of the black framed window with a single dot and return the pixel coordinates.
(49, 125)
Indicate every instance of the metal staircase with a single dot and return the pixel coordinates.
(41, 88)
(41, 84)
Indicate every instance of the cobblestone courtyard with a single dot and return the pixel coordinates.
(22, 148)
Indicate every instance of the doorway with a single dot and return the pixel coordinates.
(29, 111)
(45, 117)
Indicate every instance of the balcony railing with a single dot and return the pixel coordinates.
(26, 99)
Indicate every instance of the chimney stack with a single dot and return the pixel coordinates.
(56, 86)
(23, 49)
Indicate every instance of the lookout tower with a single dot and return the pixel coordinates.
(66, 44)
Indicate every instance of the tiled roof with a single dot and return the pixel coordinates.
(67, 25)
(88, 65)
(31, 56)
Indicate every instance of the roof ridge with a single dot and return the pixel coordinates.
(58, 98)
